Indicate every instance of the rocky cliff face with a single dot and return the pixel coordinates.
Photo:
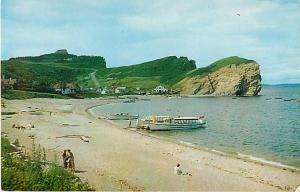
(231, 80)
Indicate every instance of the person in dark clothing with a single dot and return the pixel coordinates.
(71, 160)
(65, 161)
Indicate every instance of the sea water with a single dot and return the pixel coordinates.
(265, 126)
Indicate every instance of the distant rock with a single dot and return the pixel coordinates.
(232, 80)
(61, 51)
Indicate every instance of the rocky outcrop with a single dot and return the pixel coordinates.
(61, 51)
(231, 80)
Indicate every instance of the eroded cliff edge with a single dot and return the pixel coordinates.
(240, 78)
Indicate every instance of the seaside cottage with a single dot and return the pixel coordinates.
(120, 90)
(160, 90)
(69, 88)
(139, 91)
(105, 91)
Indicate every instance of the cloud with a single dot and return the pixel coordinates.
(129, 32)
(265, 31)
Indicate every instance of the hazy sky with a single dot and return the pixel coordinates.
(127, 32)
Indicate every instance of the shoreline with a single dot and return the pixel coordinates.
(236, 155)
(118, 159)
(241, 156)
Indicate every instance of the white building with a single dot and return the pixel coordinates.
(120, 89)
(69, 88)
(67, 91)
(104, 91)
(160, 89)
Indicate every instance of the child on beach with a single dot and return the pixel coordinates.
(177, 170)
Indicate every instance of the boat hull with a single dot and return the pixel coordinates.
(166, 127)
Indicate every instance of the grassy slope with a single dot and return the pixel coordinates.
(34, 174)
(50, 69)
(165, 71)
(51, 72)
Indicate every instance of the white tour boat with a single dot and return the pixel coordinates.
(155, 123)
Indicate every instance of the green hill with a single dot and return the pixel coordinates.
(42, 72)
(63, 58)
(166, 71)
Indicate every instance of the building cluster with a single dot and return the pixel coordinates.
(116, 90)
(160, 90)
(66, 88)
(70, 88)
(7, 83)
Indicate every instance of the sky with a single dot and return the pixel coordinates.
(128, 32)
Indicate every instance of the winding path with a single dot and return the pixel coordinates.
(94, 79)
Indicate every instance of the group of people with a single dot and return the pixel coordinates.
(22, 127)
(68, 160)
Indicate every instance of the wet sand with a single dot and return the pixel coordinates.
(120, 159)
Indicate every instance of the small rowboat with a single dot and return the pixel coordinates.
(122, 116)
(83, 138)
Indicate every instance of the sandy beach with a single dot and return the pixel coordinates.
(122, 159)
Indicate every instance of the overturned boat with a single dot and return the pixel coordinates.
(122, 116)
(163, 123)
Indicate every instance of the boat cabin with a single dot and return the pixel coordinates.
(186, 120)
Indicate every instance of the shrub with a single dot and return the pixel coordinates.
(34, 174)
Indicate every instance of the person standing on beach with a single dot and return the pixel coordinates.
(64, 156)
(71, 161)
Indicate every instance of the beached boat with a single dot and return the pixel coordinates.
(162, 123)
(122, 116)
(129, 101)
(84, 138)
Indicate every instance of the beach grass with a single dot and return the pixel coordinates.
(34, 173)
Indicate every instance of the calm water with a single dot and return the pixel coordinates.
(261, 126)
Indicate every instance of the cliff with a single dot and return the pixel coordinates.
(240, 78)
